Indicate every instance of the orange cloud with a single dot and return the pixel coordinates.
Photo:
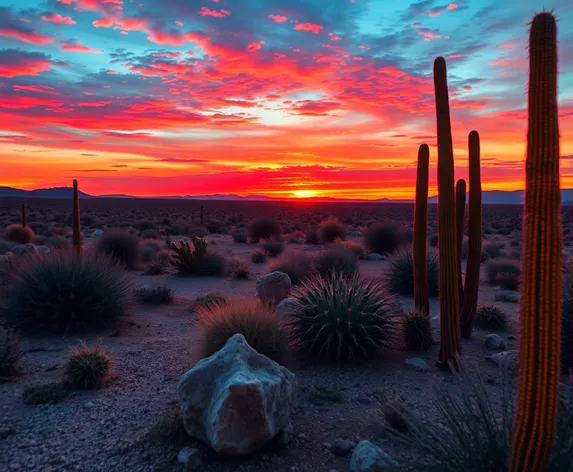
(278, 18)
(308, 27)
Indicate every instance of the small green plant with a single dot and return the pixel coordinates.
(297, 265)
(324, 395)
(273, 247)
(209, 299)
(88, 368)
(45, 394)
(490, 317)
(19, 234)
(10, 353)
(263, 330)
(336, 259)
(264, 228)
(159, 295)
(343, 318)
(65, 292)
(121, 246)
(329, 230)
(383, 238)
(259, 256)
(401, 272)
(417, 331)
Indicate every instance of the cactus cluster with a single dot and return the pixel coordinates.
(185, 259)
(535, 421)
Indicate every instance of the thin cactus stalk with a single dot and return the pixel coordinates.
(537, 405)
(450, 338)
(419, 258)
(76, 230)
(473, 265)
(460, 215)
(24, 215)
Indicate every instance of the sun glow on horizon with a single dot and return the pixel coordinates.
(305, 193)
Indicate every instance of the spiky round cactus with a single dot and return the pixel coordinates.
(88, 368)
(417, 331)
(343, 318)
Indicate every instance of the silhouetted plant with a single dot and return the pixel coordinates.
(264, 229)
(122, 246)
(336, 259)
(401, 272)
(19, 234)
(382, 238)
(159, 294)
(330, 229)
(417, 331)
(490, 317)
(88, 368)
(259, 256)
(208, 299)
(296, 264)
(273, 247)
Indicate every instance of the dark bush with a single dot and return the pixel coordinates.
(121, 246)
(240, 237)
(336, 259)
(417, 331)
(208, 299)
(212, 264)
(297, 265)
(264, 229)
(490, 317)
(159, 294)
(60, 292)
(329, 230)
(259, 256)
(239, 269)
(215, 227)
(504, 273)
(273, 247)
(401, 272)
(19, 234)
(382, 238)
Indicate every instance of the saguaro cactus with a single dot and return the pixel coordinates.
(471, 283)
(460, 215)
(76, 231)
(450, 339)
(419, 258)
(540, 309)
(23, 215)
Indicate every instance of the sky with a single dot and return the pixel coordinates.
(286, 98)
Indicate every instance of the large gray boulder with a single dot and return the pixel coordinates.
(274, 287)
(236, 400)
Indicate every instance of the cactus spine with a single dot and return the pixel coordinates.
(470, 299)
(23, 215)
(419, 258)
(460, 214)
(540, 307)
(76, 232)
(450, 339)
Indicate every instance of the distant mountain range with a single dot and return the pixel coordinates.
(492, 197)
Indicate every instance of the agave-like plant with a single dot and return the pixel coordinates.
(343, 318)
(401, 272)
(185, 259)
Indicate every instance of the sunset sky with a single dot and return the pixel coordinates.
(287, 98)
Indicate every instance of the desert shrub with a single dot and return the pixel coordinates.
(121, 246)
(433, 240)
(58, 242)
(492, 251)
(150, 234)
(401, 272)
(505, 274)
(10, 353)
(215, 227)
(257, 322)
(197, 261)
(336, 259)
(329, 230)
(158, 265)
(19, 234)
(297, 265)
(157, 295)
(212, 264)
(208, 299)
(149, 251)
(61, 292)
(259, 256)
(264, 228)
(239, 269)
(343, 318)
(240, 237)
(476, 429)
(417, 331)
(145, 225)
(382, 238)
(490, 317)
(311, 236)
(353, 246)
(273, 247)
(567, 324)
(88, 368)
(45, 394)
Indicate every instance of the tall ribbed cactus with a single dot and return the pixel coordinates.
(419, 258)
(450, 339)
(460, 215)
(76, 232)
(23, 215)
(541, 287)
(471, 284)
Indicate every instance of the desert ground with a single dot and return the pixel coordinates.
(132, 423)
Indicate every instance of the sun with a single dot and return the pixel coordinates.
(304, 193)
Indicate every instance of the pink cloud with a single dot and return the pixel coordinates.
(255, 45)
(217, 14)
(58, 19)
(27, 36)
(278, 18)
(73, 45)
(308, 27)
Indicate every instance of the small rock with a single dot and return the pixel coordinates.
(273, 287)
(340, 447)
(88, 405)
(301, 436)
(21, 249)
(494, 342)
(374, 256)
(367, 457)
(190, 457)
(505, 358)
(97, 233)
(417, 363)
